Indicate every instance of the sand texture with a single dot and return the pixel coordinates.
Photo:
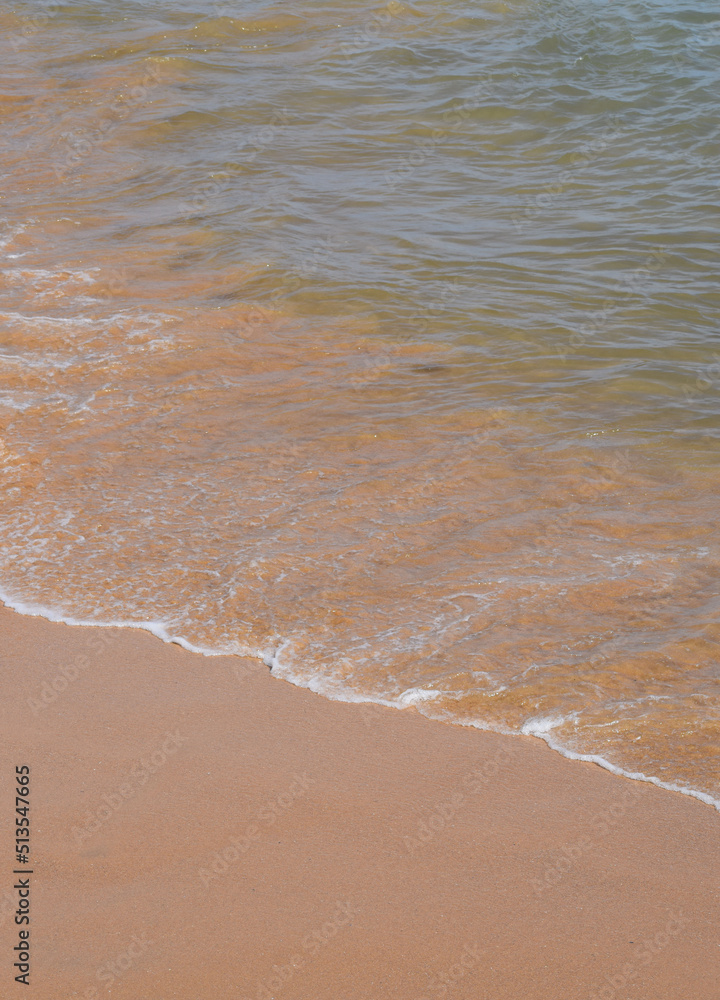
(202, 830)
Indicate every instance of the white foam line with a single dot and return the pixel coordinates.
(533, 729)
(157, 629)
(336, 691)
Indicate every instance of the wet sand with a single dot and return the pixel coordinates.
(202, 830)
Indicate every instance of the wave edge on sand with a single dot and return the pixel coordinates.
(333, 690)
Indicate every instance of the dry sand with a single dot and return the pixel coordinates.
(202, 830)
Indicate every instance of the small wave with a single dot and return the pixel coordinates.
(334, 690)
(158, 629)
(542, 729)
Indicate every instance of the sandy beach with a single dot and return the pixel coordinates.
(202, 830)
(374, 350)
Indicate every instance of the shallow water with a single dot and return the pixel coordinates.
(380, 342)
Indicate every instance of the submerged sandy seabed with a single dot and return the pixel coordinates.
(201, 830)
(270, 381)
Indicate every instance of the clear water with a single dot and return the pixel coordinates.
(382, 343)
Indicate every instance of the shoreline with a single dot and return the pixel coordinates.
(202, 829)
(159, 631)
